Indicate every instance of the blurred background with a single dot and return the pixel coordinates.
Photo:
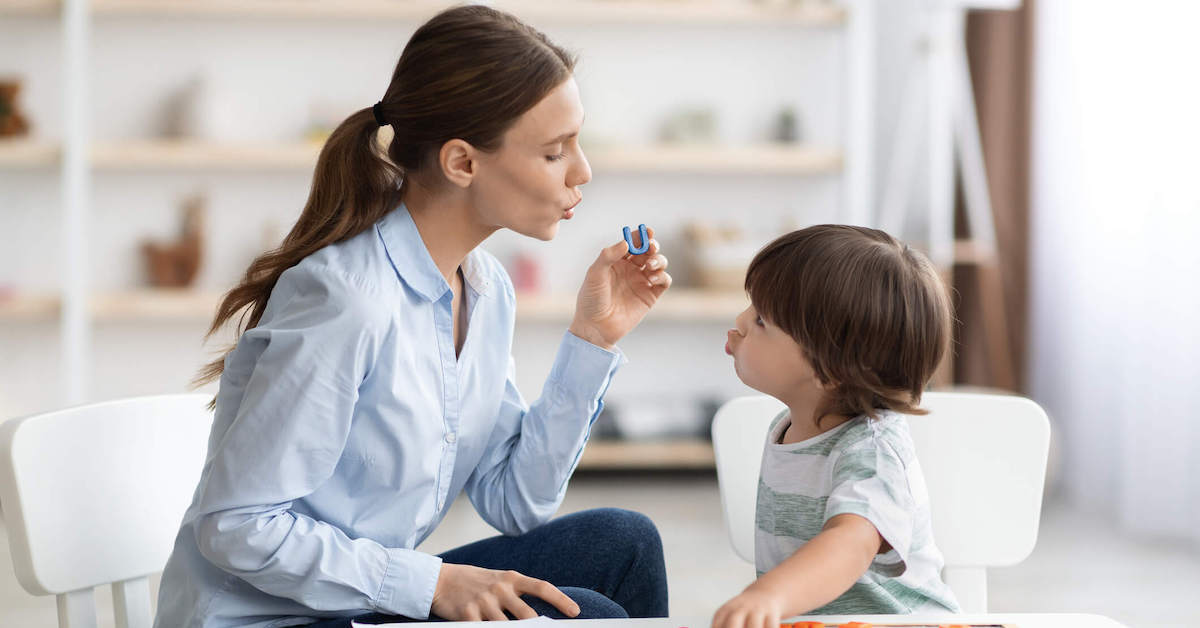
(1044, 155)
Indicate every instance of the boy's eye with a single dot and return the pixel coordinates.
(759, 321)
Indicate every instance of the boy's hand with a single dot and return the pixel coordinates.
(756, 607)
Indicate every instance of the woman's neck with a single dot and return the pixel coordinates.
(447, 226)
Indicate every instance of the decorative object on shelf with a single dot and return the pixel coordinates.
(661, 416)
(690, 126)
(527, 273)
(718, 255)
(643, 237)
(12, 121)
(175, 264)
(787, 126)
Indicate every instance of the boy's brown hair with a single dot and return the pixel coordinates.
(870, 313)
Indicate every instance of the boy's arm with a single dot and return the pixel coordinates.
(820, 571)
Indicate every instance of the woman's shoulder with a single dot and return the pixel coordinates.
(318, 288)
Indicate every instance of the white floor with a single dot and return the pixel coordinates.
(1081, 564)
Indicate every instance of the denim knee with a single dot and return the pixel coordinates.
(592, 605)
(618, 526)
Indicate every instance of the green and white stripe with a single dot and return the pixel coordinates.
(866, 467)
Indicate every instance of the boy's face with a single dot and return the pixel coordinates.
(768, 360)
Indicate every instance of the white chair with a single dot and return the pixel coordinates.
(984, 460)
(94, 495)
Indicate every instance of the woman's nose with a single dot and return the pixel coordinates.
(581, 173)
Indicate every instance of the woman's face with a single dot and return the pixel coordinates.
(533, 180)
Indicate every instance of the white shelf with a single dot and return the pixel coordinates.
(187, 305)
(758, 159)
(27, 153)
(666, 454)
(811, 14)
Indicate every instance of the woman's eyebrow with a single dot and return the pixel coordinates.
(562, 138)
(566, 136)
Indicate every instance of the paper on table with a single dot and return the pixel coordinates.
(540, 620)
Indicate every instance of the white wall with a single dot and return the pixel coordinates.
(1115, 262)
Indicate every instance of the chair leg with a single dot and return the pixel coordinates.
(131, 603)
(77, 609)
(970, 587)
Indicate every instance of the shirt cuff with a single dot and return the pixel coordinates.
(408, 583)
(583, 370)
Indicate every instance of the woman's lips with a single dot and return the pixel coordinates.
(570, 211)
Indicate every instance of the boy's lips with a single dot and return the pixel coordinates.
(728, 351)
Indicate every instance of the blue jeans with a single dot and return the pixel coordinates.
(608, 560)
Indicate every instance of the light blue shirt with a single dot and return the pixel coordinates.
(345, 427)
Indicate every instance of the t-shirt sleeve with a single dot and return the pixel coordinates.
(870, 480)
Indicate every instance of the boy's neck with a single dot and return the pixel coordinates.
(801, 425)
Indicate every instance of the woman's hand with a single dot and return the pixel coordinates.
(756, 607)
(466, 593)
(617, 292)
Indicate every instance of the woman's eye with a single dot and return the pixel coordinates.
(555, 157)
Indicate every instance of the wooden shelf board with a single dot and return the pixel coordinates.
(28, 153)
(29, 307)
(29, 7)
(187, 155)
(563, 11)
(667, 454)
(764, 159)
(675, 305)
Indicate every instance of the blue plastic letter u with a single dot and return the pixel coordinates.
(645, 241)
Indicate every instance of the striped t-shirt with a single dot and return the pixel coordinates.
(867, 467)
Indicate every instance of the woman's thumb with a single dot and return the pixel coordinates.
(613, 253)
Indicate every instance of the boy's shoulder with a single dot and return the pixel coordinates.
(888, 431)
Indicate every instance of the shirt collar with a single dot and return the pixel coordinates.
(413, 263)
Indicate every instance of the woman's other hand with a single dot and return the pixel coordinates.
(467, 593)
(617, 292)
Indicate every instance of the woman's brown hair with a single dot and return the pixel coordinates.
(468, 73)
(870, 313)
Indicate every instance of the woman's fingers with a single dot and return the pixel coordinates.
(491, 611)
(551, 594)
(519, 608)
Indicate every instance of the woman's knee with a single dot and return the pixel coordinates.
(617, 526)
(592, 605)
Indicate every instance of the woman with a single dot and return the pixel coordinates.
(373, 382)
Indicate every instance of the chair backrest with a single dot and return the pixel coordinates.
(93, 495)
(984, 461)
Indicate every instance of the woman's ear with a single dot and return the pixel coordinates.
(458, 163)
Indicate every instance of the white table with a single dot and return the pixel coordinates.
(1016, 620)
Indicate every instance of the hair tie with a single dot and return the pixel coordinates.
(378, 114)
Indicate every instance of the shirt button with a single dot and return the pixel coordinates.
(451, 437)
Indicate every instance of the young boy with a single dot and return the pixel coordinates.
(846, 326)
